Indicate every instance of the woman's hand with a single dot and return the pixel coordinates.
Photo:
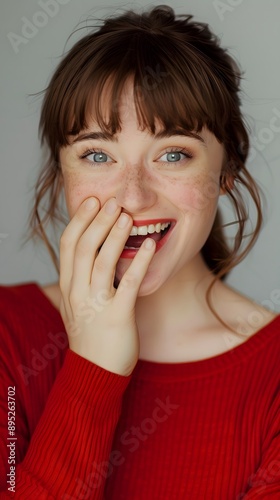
(99, 319)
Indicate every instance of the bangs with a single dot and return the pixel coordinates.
(173, 85)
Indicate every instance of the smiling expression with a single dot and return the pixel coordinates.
(163, 177)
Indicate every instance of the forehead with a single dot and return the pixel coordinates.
(114, 107)
(130, 123)
(129, 117)
(123, 104)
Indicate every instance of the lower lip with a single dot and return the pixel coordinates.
(130, 253)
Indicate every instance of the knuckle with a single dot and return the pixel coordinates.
(129, 281)
(100, 265)
(84, 246)
(75, 299)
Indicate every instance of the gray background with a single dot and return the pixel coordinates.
(249, 28)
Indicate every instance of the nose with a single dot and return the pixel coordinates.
(136, 193)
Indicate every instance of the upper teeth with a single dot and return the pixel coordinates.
(151, 228)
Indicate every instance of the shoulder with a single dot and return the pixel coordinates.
(29, 294)
(245, 316)
(14, 296)
(25, 314)
(32, 333)
(252, 337)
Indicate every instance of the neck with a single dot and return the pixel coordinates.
(178, 306)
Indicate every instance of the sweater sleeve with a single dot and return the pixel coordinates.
(265, 482)
(69, 455)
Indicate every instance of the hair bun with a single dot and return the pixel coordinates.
(162, 13)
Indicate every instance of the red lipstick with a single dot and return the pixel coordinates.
(129, 253)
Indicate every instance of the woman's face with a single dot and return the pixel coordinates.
(153, 178)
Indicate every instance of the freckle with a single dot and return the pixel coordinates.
(172, 180)
(132, 174)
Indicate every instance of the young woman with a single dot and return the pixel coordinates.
(141, 374)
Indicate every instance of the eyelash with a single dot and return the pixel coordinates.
(92, 151)
(178, 150)
(169, 150)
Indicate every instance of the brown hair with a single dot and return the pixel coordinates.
(182, 77)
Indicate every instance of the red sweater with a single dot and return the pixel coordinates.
(206, 429)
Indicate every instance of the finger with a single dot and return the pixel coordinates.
(89, 243)
(103, 272)
(130, 283)
(68, 241)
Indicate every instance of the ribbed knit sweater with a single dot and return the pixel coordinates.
(206, 429)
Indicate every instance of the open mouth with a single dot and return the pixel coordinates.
(159, 232)
(140, 233)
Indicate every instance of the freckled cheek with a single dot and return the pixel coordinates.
(75, 192)
(78, 189)
(199, 196)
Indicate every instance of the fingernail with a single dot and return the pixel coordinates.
(149, 243)
(90, 203)
(111, 206)
(123, 221)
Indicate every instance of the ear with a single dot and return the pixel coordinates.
(226, 183)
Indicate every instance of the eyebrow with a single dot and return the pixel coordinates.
(106, 136)
(102, 136)
(173, 132)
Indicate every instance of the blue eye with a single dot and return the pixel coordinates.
(96, 156)
(171, 157)
(174, 156)
(99, 157)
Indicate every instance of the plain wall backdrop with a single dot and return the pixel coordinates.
(33, 37)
